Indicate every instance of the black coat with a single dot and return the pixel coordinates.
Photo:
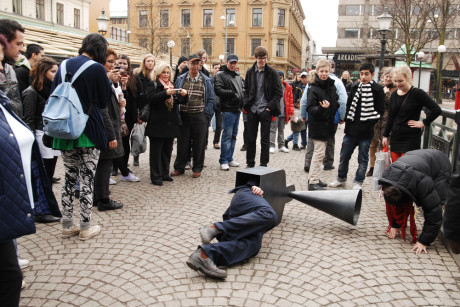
(321, 120)
(33, 105)
(163, 123)
(23, 76)
(452, 210)
(403, 137)
(113, 126)
(423, 175)
(225, 89)
(132, 97)
(272, 89)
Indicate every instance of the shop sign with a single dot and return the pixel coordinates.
(346, 57)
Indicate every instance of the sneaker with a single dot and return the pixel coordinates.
(70, 231)
(337, 184)
(303, 147)
(130, 177)
(112, 181)
(286, 143)
(206, 266)
(357, 185)
(23, 284)
(272, 150)
(233, 164)
(23, 263)
(90, 232)
(188, 165)
(296, 147)
(283, 149)
(224, 167)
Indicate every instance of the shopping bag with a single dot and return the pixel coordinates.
(138, 139)
(381, 163)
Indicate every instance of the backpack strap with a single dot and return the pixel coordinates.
(63, 70)
(82, 69)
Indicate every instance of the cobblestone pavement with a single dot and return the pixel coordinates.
(310, 259)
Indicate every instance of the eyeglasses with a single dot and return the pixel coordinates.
(195, 63)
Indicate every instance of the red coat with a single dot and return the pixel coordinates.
(288, 102)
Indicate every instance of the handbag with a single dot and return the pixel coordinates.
(144, 113)
(124, 129)
(381, 163)
(138, 139)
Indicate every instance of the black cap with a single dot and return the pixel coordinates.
(181, 59)
(280, 73)
(193, 57)
(232, 58)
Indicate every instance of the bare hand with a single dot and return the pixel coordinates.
(416, 124)
(257, 191)
(113, 144)
(386, 89)
(393, 232)
(170, 91)
(419, 247)
(114, 75)
(122, 103)
(124, 82)
(325, 104)
(385, 141)
(183, 92)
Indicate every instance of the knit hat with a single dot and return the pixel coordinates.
(280, 73)
(181, 59)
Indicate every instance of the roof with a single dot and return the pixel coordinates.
(414, 64)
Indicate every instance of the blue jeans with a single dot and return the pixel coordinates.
(348, 146)
(230, 122)
(294, 137)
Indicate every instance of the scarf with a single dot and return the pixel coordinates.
(399, 215)
(169, 103)
(46, 90)
(364, 93)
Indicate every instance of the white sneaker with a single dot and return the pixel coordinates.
(337, 184)
(112, 181)
(357, 186)
(188, 165)
(130, 178)
(233, 164)
(23, 263)
(23, 284)
(224, 167)
(272, 150)
(283, 149)
(90, 232)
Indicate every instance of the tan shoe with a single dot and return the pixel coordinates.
(90, 232)
(70, 231)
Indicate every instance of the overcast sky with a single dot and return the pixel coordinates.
(320, 19)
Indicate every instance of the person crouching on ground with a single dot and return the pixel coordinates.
(240, 234)
(420, 176)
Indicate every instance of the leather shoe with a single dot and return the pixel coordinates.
(56, 179)
(167, 178)
(206, 266)
(196, 174)
(322, 184)
(176, 173)
(208, 233)
(112, 205)
(328, 168)
(46, 218)
(306, 168)
(157, 182)
(315, 187)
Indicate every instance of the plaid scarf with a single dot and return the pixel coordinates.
(364, 93)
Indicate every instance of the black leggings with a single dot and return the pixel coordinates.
(50, 166)
(10, 275)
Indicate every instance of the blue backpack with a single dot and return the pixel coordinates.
(63, 116)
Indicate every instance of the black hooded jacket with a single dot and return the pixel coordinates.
(228, 86)
(423, 175)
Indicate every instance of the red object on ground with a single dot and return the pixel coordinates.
(457, 100)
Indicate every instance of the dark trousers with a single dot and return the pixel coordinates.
(218, 127)
(122, 162)
(243, 231)
(192, 133)
(101, 179)
(265, 120)
(160, 157)
(10, 275)
(50, 166)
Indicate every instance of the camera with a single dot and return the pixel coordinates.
(177, 90)
(117, 67)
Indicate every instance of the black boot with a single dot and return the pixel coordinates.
(136, 161)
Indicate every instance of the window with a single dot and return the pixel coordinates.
(256, 17)
(351, 33)
(76, 18)
(185, 21)
(449, 34)
(17, 7)
(164, 45)
(280, 47)
(230, 17)
(373, 33)
(255, 42)
(416, 10)
(164, 18)
(281, 14)
(375, 10)
(207, 45)
(143, 43)
(60, 13)
(143, 19)
(353, 10)
(40, 9)
(230, 45)
(207, 18)
(118, 34)
(414, 33)
(185, 46)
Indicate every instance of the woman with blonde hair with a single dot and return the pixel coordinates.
(164, 120)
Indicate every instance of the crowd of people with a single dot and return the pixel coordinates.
(181, 104)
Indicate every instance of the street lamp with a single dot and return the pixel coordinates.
(231, 23)
(171, 45)
(102, 23)
(221, 58)
(384, 27)
(420, 57)
(441, 49)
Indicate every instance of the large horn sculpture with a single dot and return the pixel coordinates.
(343, 204)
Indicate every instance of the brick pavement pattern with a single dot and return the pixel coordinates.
(310, 259)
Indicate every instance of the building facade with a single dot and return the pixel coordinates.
(221, 28)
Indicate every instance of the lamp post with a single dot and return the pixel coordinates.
(221, 58)
(441, 49)
(420, 57)
(102, 23)
(384, 27)
(226, 32)
(171, 45)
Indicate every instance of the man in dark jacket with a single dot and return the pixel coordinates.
(365, 105)
(420, 176)
(262, 94)
(34, 53)
(228, 86)
(240, 234)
